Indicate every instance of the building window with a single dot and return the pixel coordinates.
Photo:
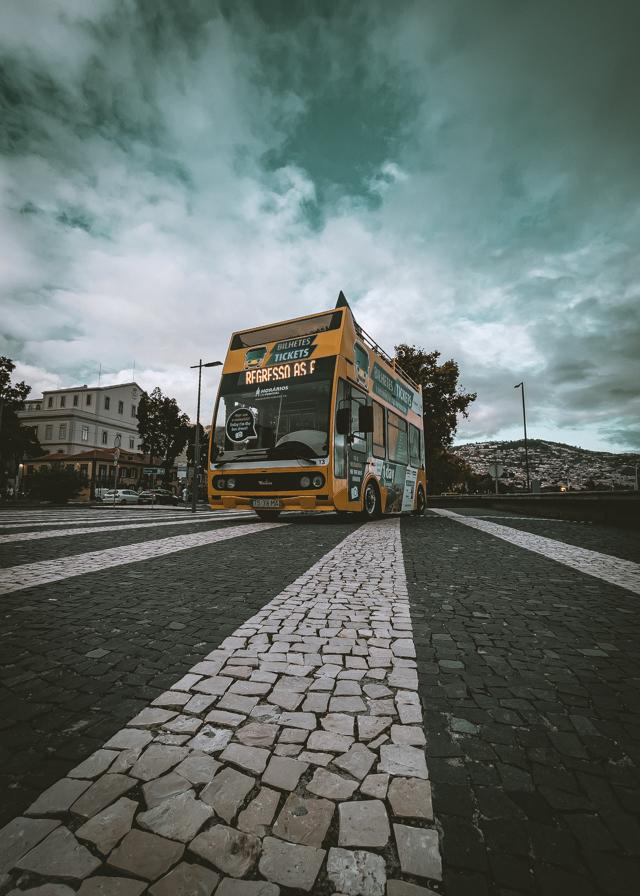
(102, 471)
(134, 410)
(38, 407)
(88, 400)
(62, 431)
(48, 431)
(75, 401)
(121, 407)
(105, 436)
(63, 401)
(85, 433)
(107, 402)
(30, 470)
(50, 401)
(130, 442)
(84, 470)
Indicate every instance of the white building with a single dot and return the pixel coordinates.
(73, 420)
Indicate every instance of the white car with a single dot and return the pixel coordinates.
(121, 496)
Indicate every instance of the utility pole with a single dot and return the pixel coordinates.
(526, 447)
(196, 442)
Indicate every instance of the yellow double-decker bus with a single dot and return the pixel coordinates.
(312, 415)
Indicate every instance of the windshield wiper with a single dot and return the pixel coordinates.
(261, 453)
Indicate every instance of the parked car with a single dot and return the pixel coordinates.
(158, 496)
(120, 496)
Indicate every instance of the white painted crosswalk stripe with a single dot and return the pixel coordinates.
(31, 575)
(102, 516)
(94, 530)
(619, 572)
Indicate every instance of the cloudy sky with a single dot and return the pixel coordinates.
(467, 172)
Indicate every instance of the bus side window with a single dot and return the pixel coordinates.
(397, 438)
(339, 443)
(378, 431)
(359, 439)
(414, 446)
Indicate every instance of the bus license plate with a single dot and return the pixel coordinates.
(266, 502)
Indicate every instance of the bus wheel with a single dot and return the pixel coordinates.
(420, 502)
(371, 507)
(268, 516)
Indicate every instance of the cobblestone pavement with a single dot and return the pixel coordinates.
(623, 543)
(530, 674)
(308, 716)
(602, 566)
(79, 657)
(29, 550)
(244, 716)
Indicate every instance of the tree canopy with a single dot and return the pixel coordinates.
(163, 427)
(443, 401)
(16, 441)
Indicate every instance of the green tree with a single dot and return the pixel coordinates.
(16, 441)
(443, 401)
(56, 485)
(163, 427)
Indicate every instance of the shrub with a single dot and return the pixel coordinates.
(55, 485)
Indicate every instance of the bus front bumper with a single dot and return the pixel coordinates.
(291, 502)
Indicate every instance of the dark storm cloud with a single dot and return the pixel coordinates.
(466, 171)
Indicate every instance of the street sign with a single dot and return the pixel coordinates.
(116, 455)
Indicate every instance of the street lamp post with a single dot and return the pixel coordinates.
(524, 420)
(196, 442)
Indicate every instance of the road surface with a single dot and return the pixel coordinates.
(443, 704)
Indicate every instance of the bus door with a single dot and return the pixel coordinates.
(350, 441)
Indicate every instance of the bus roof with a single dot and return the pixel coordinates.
(332, 322)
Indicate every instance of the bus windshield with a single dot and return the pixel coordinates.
(274, 420)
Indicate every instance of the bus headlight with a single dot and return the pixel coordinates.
(231, 483)
(318, 481)
(305, 482)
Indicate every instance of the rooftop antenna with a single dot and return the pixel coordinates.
(99, 374)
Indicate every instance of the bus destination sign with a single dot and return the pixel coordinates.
(279, 372)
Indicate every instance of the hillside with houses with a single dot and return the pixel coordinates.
(556, 465)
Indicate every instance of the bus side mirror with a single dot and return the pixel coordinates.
(343, 421)
(365, 418)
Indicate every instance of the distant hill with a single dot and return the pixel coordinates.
(553, 463)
